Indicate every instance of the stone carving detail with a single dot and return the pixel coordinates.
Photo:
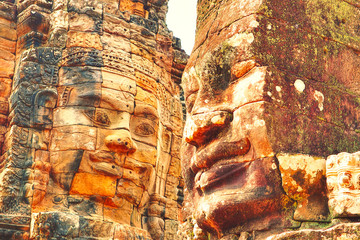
(342, 177)
(86, 146)
(262, 115)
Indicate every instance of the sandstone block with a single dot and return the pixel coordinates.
(77, 75)
(83, 23)
(145, 153)
(117, 26)
(73, 116)
(77, 56)
(141, 50)
(7, 45)
(58, 20)
(6, 55)
(119, 62)
(6, 68)
(84, 39)
(113, 211)
(144, 66)
(8, 11)
(340, 231)
(93, 184)
(96, 228)
(58, 38)
(303, 179)
(60, 225)
(142, 174)
(117, 82)
(125, 231)
(175, 146)
(111, 8)
(129, 191)
(65, 161)
(145, 97)
(111, 41)
(147, 83)
(7, 32)
(171, 210)
(86, 94)
(175, 166)
(32, 39)
(150, 25)
(172, 183)
(4, 106)
(171, 228)
(117, 100)
(73, 137)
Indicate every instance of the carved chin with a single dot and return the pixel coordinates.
(223, 211)
(241, 200)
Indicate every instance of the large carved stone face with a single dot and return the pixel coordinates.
(94, 119)
(255, 104)
(117, 115)
(99, 138)
(233, 172)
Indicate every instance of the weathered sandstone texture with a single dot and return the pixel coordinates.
(271, 90)
(91, 120)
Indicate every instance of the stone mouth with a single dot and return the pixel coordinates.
(221, 175)
(220, 153)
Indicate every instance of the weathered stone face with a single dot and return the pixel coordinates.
(342, 172)
(266, 103)
(95, 118)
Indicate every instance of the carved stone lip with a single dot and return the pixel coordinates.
(207, 180)
(220, 152)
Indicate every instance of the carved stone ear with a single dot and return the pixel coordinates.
(44, 101)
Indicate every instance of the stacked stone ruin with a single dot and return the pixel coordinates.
(80, 81)
(92, 125)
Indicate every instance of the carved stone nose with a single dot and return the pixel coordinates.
(203, 127)
(120, 142)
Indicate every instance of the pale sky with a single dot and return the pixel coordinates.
(181, 19)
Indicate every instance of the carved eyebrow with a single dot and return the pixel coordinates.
(144, 110)
(117, 100)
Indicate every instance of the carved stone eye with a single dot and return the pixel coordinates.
(102, 118)
(99, 118)
(144, 129)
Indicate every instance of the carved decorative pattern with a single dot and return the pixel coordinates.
(343, 182)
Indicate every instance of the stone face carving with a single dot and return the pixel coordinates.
(94, 97)
(342, 177)
(263, 114)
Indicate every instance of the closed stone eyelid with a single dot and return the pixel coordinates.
(92, 118)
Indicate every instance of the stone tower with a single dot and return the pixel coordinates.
(91, 120)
